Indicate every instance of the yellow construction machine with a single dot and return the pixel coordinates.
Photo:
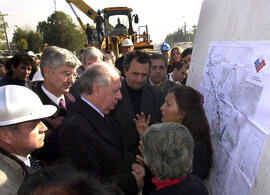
(118, 24)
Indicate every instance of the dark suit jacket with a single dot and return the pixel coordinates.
(48, 153)
(94, 145)
(191, 186)
(123, 114)
(75, 89)
(166, 86)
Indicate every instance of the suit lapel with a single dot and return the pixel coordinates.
(100, 124)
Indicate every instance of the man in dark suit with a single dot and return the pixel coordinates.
(90, 138)
(138, 97)
(58, 67)
(139, 100)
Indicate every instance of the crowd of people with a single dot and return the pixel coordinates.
(96, 125)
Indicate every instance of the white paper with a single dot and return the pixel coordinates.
(238, 109)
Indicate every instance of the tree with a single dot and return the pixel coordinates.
(59, 30)
(33, 39)
(19, 34)
(3, 25)
(181, 35)
(22, 44)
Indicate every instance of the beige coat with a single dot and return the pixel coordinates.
(11, 175)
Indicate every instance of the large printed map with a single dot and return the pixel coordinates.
(233, 91)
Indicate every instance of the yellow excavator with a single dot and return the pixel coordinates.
(118, 24)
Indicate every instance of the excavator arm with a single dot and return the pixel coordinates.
(86, 9)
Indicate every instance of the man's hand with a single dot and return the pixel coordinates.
(139, 173)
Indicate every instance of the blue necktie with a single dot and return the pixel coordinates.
(33, 163)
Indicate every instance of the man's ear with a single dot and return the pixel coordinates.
(6, 136)
(96, 90)
(47, 72)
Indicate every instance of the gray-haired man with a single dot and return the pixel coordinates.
(58, 67)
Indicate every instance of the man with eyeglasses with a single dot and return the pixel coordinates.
(158, 75)
(58, 67)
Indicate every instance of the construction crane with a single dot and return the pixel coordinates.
(113, 34)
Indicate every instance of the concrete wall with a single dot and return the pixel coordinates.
(229, 20)
(233, 20)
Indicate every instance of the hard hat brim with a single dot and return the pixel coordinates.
(44, 112)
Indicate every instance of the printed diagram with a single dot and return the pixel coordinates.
(224, 89)
(229, 101)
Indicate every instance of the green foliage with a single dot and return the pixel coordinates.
(33, 39)
(181, 35)
(22, 44)
(19, 34)
(59, 30)
(3, 25)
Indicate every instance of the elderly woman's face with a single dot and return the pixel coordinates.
(170, 111)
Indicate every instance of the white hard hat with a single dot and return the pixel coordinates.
(37, 76)
(20, 104)
(126, 42)
(30, 53)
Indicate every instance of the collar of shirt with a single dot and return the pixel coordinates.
(94, 107)
(170, 77)
(52, 97)
(25, 160)
(151, 83)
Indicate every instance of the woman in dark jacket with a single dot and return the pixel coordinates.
(168, 152)
(183, 105)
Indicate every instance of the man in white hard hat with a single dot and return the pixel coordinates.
(126, 46)
(35, 66)
(21, 132)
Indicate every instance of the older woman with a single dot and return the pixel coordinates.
(183, 105)
(168, 152)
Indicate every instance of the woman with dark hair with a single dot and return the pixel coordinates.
(183, 105)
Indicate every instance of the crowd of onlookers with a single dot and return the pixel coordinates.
(94, 124)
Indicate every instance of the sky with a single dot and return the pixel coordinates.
(162, 17)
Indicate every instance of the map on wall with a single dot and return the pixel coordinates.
(236, 88)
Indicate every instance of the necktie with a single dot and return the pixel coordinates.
(62, 104)
(33, 163)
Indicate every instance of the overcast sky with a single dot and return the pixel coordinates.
(162, 17)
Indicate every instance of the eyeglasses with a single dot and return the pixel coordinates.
(158, 67)
(68, 74)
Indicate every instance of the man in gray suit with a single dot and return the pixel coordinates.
(21, 132)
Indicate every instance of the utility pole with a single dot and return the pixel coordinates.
(9, 51)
